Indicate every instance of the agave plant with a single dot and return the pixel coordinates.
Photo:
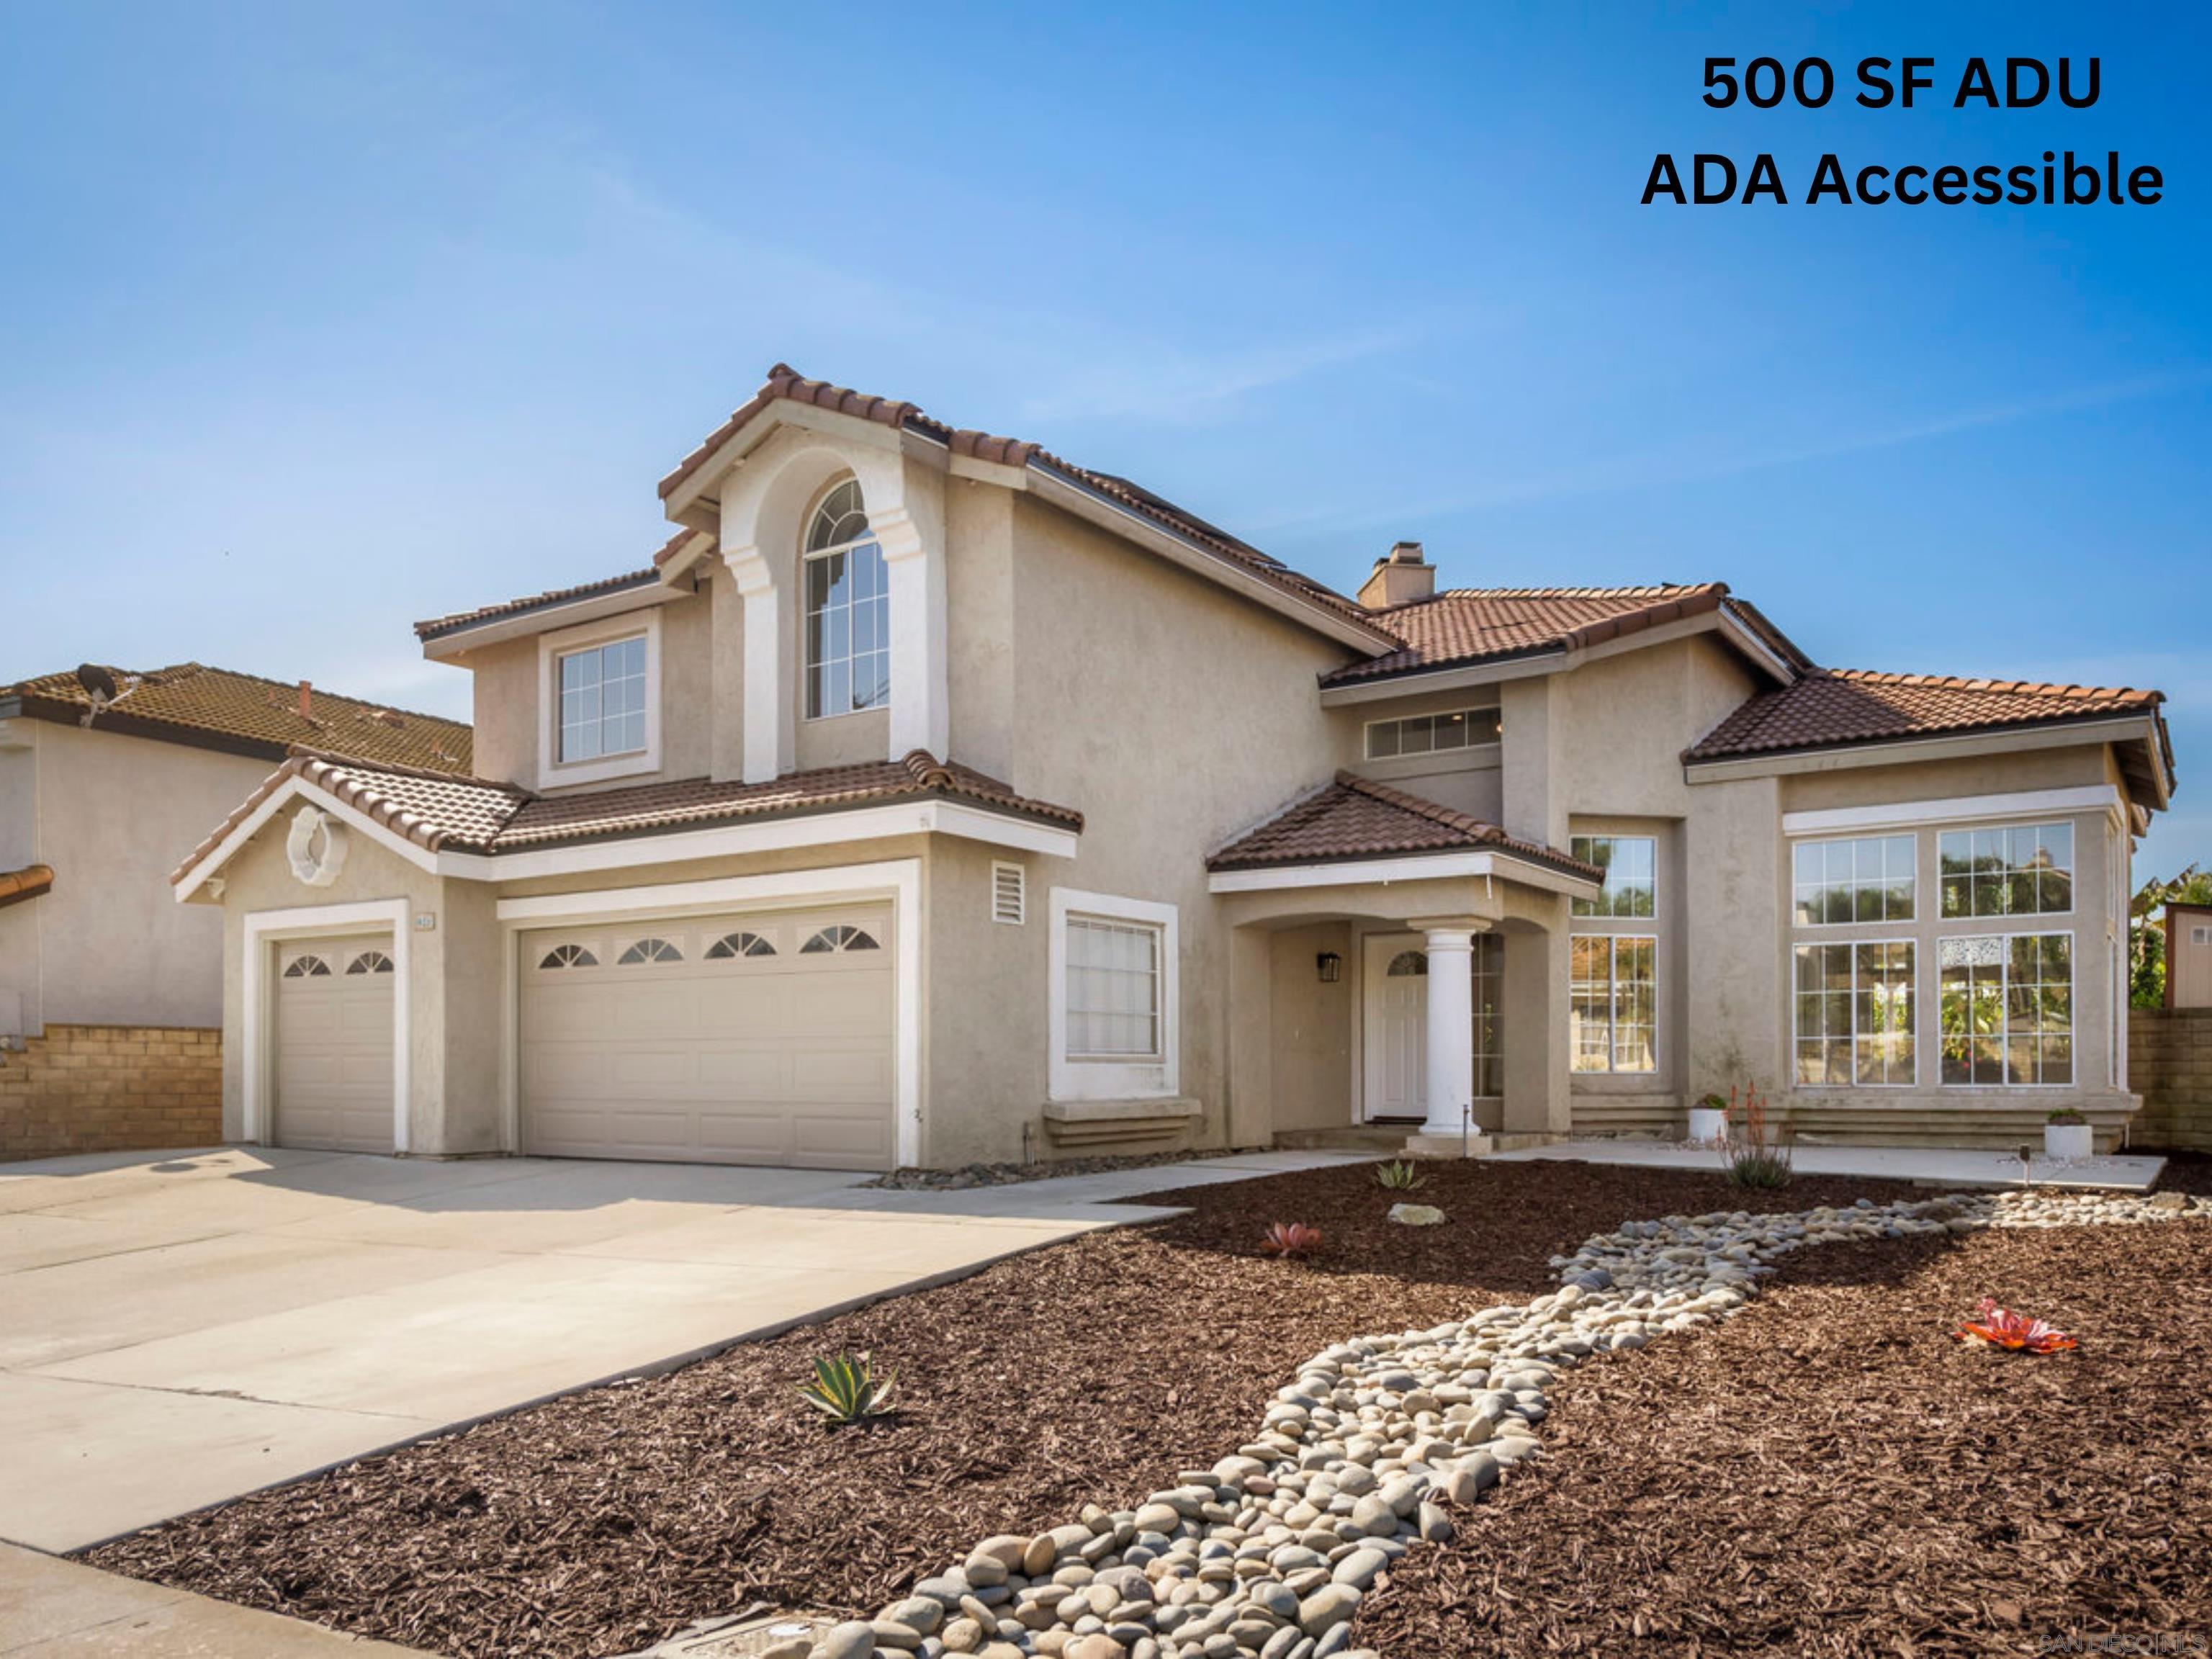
(2000, 1328)
(1400, 1174)
(845, 1390)
(1291, 1238)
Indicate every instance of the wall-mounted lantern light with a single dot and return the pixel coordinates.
(1329, 966)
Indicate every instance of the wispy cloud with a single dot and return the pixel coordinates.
(1145, 383)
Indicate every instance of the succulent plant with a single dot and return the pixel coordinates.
(845, 1390)
(1400, 1174)
(2000, 1328)
(1291, 1238)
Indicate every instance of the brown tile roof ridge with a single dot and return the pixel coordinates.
(1634, 591)
(1328, 825)
(1435, 812)
(2145, 696)
(785, 382)
(435, 627)
(28, 883)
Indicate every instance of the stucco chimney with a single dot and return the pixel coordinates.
(306, 700)
(1401, 574)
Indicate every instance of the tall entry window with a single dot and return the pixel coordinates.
(1612, 1010)
(849, 609)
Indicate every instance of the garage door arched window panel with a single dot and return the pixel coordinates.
(839, 937)
(370, 962)
(733, 946)
(307, 967)
(568, 956)
(849, 609)
(649, 951)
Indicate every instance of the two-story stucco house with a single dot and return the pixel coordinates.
(932, 799)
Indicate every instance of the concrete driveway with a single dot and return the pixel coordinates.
(178, 1329)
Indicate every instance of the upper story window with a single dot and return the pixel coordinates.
(2026, 870)
(1432, 734)
(849, 609)
(603, 701)
(1869, 879)
(1630, 864)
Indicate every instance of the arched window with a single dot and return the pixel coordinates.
(308, 968)
(1407, 962)
(569, 955)
(738, 945)
(649, 950)
(849, 609)
(839, 937)
(370, 962)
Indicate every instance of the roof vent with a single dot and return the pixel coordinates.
(1401, 575)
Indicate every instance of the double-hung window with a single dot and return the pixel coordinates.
(849, 609)
(603, 690)
(1111, 994)
(1612, 1010)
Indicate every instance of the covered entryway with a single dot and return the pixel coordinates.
(333, 1048)
(764, 1038)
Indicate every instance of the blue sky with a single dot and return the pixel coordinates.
(314, 322)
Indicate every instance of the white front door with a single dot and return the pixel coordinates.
(1397, 999)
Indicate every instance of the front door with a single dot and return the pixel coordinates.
(1397, 999)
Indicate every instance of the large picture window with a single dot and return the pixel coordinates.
(2025, 870)
(1869, 879)
(1113, 989)
(2008, 1008)
(602, 690)
(1613, 1011)
(1855, 1013)
(848, 610)
(1630, 866)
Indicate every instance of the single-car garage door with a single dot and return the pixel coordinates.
(737, 1039)
(333, 1047)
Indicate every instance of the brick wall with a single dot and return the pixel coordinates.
(111, 1088)
(2169, 1066)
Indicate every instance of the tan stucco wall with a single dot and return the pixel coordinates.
(1469, 780)
(114, 815)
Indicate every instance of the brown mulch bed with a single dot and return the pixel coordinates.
(1830, 1474)
(1088, 1372)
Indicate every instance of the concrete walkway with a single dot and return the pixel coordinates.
(177, 1329)
(51, 1609)
(1933, 1166)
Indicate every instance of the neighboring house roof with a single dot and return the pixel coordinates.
(439, 626)
(1468, 625)
(785, 383)
(439, 813)
(28, 883)
(1356, 818)
(244, 715)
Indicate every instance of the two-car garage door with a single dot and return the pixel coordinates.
(762, 1038)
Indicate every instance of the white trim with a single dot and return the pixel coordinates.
(807, 830)
(294, 788)
(264, 928)
(552, 771)
(2062, 733)
(1436, 866)
(1090, 1079)
(1915, 814)
(896, 879)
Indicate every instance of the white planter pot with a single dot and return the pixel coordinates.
(2067, 1142)
(1707, 1123)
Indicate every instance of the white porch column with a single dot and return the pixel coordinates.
(768, 697)
(921, 716)
(1451, 1053)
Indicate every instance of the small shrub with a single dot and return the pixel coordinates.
(1749, 1157)
(2067, 1114)
(1288, 1239)
(846, 1390)
(1400, 1174)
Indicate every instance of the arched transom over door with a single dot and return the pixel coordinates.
(332, 1045)
(758, 1038)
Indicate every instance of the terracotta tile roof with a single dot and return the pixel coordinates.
(438, 626)
(28, 883)
(785, 383)
(439, 813)
(246, 715)
(1836, 706)
(1356, 818)
(1472, 624)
